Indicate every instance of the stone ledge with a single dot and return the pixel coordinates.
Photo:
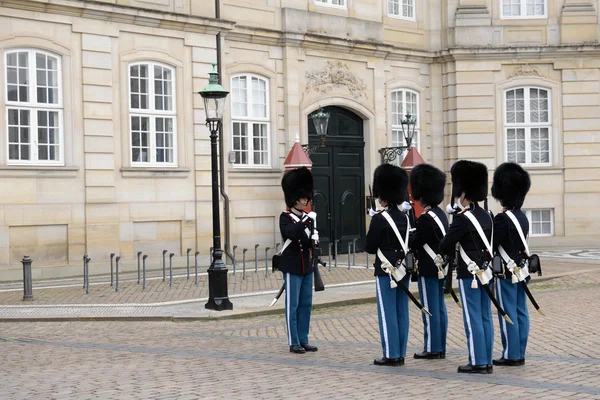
(130, 172)
(37, 171)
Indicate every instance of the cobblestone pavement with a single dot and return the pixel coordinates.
(248, 359)
(72, 292)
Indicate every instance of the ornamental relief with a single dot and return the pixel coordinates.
(334, 75)
(525, 70)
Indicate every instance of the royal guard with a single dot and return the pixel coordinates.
(298, 233)
(427, 185)
(472, 229)
(388, 238)
(511, 184)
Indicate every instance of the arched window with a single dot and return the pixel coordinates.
(528, 125)
(250, 119)
(404, 101)
(34, 107)
(153, 114)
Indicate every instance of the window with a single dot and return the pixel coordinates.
(527, 125)
(541, 222)
(34, 109)
(153, 115)
(332, 3)
(404, 101)
(401, 8)
(250, 117)
(523, 8)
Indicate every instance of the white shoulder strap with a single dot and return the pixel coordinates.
(287, 242)
(477, 226)
(437, 220)
(403, 243)
(518, 226)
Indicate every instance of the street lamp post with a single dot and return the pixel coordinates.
(409, 126)
(214, 96)
(321, 120)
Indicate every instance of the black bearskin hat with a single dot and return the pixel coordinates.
(470, 178)
(511, 184)
(296, 184)
(390, 183)
(427, 184)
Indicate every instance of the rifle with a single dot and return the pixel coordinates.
(452, 265)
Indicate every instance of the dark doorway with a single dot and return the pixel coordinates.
(338, 171)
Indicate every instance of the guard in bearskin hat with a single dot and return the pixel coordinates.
(471, 229)
(427, 186)
(298, 232)
(511, 184)
(390, 187)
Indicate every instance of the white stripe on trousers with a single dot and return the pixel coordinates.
(426, 304)
(466, 308)
(502, 321)
(287, 299)
(383, 323)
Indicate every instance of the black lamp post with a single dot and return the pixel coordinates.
(409, 126)
(321, 120)
(214, 103)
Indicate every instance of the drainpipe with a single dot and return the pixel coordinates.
(221, 150)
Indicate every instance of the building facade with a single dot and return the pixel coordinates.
(105, 149)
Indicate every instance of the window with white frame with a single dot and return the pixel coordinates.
(523, 8)
(332, 3)
(250, 118)
(404, 101)
(34, 109)
(153, 114)
(527, 125)
(541, 222)
(401, 8)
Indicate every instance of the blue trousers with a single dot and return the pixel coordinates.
(435, 328)
(513, 300)
(392, 309)
(298, 305)
(479, 329)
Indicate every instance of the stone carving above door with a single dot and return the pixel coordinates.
(334, 75)
(524, 70)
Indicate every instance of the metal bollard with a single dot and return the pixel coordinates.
(27, 279)
(267, 262)
(139, 253)
(117, 274)
(188, 263)
(349, 244)
(329, 252)
(87, 275)
(354, 251)
(335, 251)
(211, 255)
(244, 264)
(164, 266)
(234, 260)
(144, 262)
(256, 258)
(367, 259)
(171, 269)
(196, 266)
(112, 255)
(84, 266)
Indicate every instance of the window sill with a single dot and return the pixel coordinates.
(543, 170)
(132, 172)
(37, 171)
(255, 172)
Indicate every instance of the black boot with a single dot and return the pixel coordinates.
(503, 362)
(490, 368)
(473, 369)
(428, 356)
(297, 349)
(522, 361)
(391, 362)
(443, 355)
(308, 347)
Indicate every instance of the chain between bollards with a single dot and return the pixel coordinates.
(139, 253)
(244, 264)
(144, 262)
(196, 267)
(112, 255)
(164, 266)
(234, 260)
(117, 274)
(267, 262)
(27, 279)
(171, 269)
(87, 275)
(188, 264)
(256, 257)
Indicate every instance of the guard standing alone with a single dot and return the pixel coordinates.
(297, 230)
(427, 186)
